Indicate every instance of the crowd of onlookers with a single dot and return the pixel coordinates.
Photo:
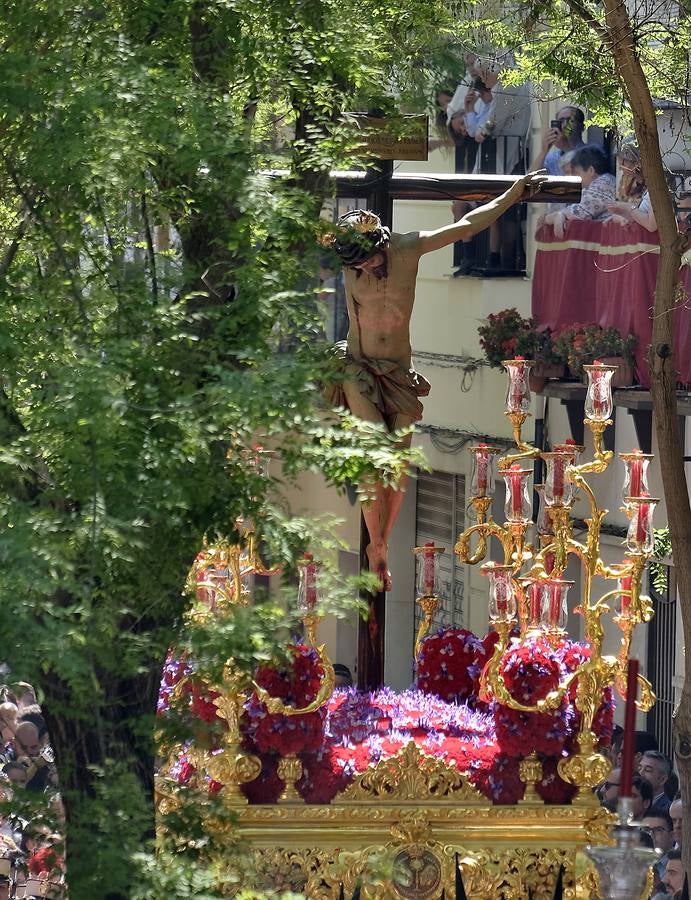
(31, 855)
(489, 124)
(657, 805)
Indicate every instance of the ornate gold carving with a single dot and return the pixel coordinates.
(586, 770)
(410, 775)
(530, 772)
(429, 607)
(412, 827)
(326, 689)
(290, 771)
(417, 873)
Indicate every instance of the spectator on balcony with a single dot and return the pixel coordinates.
(598, 190)
(630, 180)
(441, 104)
(567, 135)
(633, 201)
(498, 119)
(683, 209)
(466, 148)
(457, 102)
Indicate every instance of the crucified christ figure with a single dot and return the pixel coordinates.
(378, 382)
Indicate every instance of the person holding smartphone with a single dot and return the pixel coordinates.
(565, 133)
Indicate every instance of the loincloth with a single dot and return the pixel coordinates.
(391, 388)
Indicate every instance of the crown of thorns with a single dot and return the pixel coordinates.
(358, 235)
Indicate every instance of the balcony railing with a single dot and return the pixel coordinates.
(604, 272)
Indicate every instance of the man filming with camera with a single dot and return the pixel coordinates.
(565, 134)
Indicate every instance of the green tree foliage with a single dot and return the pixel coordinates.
(137, 373)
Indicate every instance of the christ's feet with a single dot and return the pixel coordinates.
(378, 563)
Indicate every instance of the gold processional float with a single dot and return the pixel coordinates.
(412, 825)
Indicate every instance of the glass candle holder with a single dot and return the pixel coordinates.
(543, 523)
(640, 537)
(598, 398)
(428, 583)
(309, 592)
(517, 507)
(482, 475)
(502, 599)
(533, 594)
(635, 474)
(570, 446)
(518, 391)
(554, 606)
(558, 488)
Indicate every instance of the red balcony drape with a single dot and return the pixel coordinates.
(605, 273)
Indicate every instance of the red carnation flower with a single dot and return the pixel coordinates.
(552, 788)
(449, 665)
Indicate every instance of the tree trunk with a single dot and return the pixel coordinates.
(108, 754)
(662, 362)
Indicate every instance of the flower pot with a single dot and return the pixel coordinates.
(548, 370)
(623, 377)
(537, 383)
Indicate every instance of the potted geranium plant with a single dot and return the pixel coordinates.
(508, 334)
(583, 344)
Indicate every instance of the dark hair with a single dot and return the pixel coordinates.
(343, 671)
(665, 816)
(356, 246)
(645, 741)
(588, 156)
(644, 787)
(673, 854)
(479, 84)
(662, 759)
(36, 719)
(579, 114)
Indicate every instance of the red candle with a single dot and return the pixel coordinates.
(629, 745)
(428, 569)
(636, 476)
(558, 477)
(516, 374)
(554, 605)
(310, 581)
(481, 464)
(625, 584)
(502, 594)
(516, 491)
(642, 516)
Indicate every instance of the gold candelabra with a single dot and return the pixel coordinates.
(427, 588)
(219, 582)
(528, 590)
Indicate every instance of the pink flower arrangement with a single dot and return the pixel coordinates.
(356, 730)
